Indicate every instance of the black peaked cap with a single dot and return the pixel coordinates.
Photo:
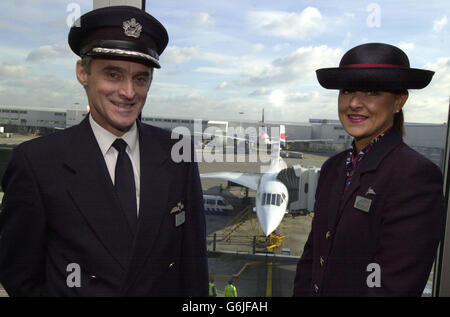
(119, 32)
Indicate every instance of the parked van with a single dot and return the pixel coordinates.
(216, 204)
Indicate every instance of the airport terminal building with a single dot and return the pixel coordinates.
(428, 139)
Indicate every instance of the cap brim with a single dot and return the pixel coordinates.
(127, 55)
(374, 78)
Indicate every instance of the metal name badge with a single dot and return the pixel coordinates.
(362, 203)
(180, 218)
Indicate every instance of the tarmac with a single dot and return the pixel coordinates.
(259, 275)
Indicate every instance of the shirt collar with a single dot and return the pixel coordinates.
(354, 159)
(371, 144)
(105, 138)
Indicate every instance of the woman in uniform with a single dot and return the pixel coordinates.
(379, 210)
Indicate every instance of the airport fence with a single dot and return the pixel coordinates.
(240, 243)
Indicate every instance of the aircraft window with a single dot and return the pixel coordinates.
(273, 199)
(267, 201)
(263, 199)
(278, 200)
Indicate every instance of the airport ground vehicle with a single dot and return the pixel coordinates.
(216, 204)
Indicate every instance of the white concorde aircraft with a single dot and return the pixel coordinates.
(272, 195)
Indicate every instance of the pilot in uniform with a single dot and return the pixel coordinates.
(101, 209)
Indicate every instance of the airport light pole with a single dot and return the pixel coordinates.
(76, 104)
(240, 119)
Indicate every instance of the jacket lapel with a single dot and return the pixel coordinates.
(370, 163)
(336, 190)
(155, 181)
(92, 191)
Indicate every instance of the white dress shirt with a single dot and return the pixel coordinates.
(105, 139)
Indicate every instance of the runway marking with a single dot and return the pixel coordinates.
(269, 280)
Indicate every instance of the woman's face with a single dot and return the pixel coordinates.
(367, 114)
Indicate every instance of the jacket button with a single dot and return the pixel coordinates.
(316, 288)
(322, 262)
(328, 235)
(171, 266)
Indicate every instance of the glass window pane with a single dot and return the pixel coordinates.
(235, 73)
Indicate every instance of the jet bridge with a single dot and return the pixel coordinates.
(301, 183)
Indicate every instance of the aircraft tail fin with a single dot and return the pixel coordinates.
(282, 135)
(277, 144)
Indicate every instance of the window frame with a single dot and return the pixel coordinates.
(441, 278)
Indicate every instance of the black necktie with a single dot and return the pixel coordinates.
(124, 183)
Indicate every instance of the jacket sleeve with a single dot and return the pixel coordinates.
(412, 226)
(22, 230)
(195, 267)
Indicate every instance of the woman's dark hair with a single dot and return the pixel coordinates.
(399, 118)
(399, 121)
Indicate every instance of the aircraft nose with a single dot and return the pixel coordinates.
(270, 217)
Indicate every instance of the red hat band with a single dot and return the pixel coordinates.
(375, 65)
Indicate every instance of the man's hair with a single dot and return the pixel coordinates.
(87, 60)
(86, 63)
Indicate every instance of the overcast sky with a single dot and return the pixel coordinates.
(230, 57)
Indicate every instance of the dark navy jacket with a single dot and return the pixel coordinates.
(60, 208)
(394, 232)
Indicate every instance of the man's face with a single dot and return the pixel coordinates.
(116, 91)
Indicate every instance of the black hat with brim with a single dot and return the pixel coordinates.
(375, 66)
(119, 32)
